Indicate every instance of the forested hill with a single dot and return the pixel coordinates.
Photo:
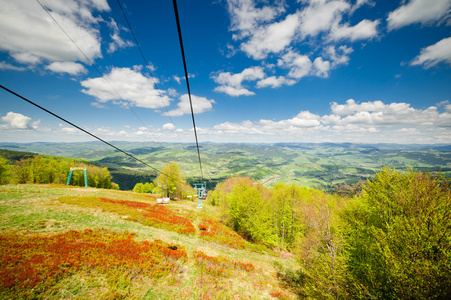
(313, 165)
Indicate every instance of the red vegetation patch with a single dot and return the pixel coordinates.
(219, 266)
(280, 295)
(141, 212)
(158, 214)
(37, 262)
(219, 233)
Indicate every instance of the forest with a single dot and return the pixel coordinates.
(31, 168)
(392, 240)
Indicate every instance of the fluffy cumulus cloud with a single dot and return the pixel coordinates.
(231, 84)
(246, 17)
(275, 82)
(200, 105)
(364, 30)
(272, 38)
(14, 120)
(267, 31)
(434, 54)
(419, 11)
(67, 67)
(368, 122)
(168, 126)
(32, 36)
(130, 85)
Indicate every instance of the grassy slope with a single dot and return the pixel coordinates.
(35, 209)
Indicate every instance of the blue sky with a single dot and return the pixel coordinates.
(361, 71)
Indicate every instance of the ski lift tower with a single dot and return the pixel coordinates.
(75, 169)
(201, 193)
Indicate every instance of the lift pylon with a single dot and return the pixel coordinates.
(201, 193)
(74, 169)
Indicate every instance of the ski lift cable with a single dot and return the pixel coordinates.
(187, 81)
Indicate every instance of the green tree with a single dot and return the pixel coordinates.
(171, 180)
(148, 187)
(245, 209)
(138, 188)
(22, 171)
(399, 238)
(5, 171)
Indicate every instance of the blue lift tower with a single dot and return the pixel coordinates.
(201, 193)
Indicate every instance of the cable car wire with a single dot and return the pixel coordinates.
(187, 81)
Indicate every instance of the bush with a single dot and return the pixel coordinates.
(399, 238)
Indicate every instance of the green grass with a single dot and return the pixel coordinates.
(212, 270)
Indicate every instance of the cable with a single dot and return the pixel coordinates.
(187, 81)
(92, 64)
(85, 131)
(148, 68)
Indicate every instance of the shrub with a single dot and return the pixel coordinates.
(399, 238)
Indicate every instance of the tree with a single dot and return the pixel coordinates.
(22, 171)
(169, 177)
(399, 237)
(5, 171)
(171, 180)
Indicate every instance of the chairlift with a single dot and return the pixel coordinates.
(201, 193)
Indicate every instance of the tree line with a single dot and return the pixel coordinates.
(390, 241)
(42, 169)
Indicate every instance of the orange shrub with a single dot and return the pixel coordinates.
(141, 212)
(36, 262)
(214, 231)
(219, 266)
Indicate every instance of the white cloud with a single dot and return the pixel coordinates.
(419, 11)
(367, 122)
(338, 56)
(266, 31)
(179, 79)
(273, 38)
(231, 84)
(275, 82)
(351, 107)
(67, 67)
(200, 105)
(6, 66)
(364, 30)
(70, 130)
(16, 121)
(299, 65)
(321, 68)
(233, 91)
(246, 17)
(132, 86)
(434, 54)
(117, 42)
(30, 36)
(168, 126)
(320, 15)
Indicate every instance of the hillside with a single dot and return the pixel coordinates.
(70, 242)
(312, 165)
